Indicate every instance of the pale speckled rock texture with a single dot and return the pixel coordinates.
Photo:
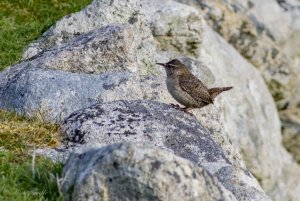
(282, 23)
(148, 122)
(40, 92)
(291, 131)
(255, 135)
(107, 49)
(245, 116)
(174, 26)
(272, 19)
(96, 15)
(137, 172)
(255, 34)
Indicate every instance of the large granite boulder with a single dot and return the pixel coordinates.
(137, 172)
(146, 122)
(98, 14)
(153, 123)
(54, 94)
(109, 48)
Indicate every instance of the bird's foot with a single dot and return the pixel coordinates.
(184, 109)
(176, 106)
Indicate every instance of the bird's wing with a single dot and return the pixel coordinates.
(195, 88)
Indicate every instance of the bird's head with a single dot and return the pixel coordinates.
(174, 67)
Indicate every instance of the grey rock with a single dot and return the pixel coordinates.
(281, 13)
(59, 154)
(279, 71)
(140, 121)
(175, 27)
(254, 33)
(144, 122)
(173, 32)
(274, 18)
(96, 15)
(107, 49)
(291, 131)
(249, 97)
(154, 123)
(54, 94)
(249, 118)
(137, 172)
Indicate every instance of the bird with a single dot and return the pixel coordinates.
(187, 89)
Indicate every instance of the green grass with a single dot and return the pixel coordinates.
(22, 21)
(19, 178)
(18, 181)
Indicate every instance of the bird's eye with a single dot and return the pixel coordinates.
(171, 65)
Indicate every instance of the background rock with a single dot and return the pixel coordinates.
(175, 27)
(291, 131)
(253, 118)
(137, 172)
(255, 34)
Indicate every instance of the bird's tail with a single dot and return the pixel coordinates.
(216, 91)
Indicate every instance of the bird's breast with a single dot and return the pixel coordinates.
(178, 94)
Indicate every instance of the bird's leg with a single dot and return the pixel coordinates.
(176, 106)
(186, 110)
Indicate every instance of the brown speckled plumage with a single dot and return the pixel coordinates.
(186, 88)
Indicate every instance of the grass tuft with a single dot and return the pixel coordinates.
(18, 133)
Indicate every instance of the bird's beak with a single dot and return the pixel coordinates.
(161, 64)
